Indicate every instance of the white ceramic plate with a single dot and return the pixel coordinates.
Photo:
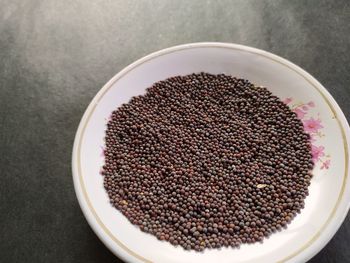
(326, 206)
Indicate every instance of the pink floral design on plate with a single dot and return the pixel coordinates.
(313, 126)
(102, 154)
(317, 152)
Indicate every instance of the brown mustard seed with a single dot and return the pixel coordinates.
(207, 161)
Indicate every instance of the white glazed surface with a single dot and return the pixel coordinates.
(325, 208)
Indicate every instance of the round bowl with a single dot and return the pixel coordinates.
(325, 207)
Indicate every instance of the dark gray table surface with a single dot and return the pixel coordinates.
(55, 56)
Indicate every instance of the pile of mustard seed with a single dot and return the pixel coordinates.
(207, 161)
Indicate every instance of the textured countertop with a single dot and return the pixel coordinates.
(55, 56)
